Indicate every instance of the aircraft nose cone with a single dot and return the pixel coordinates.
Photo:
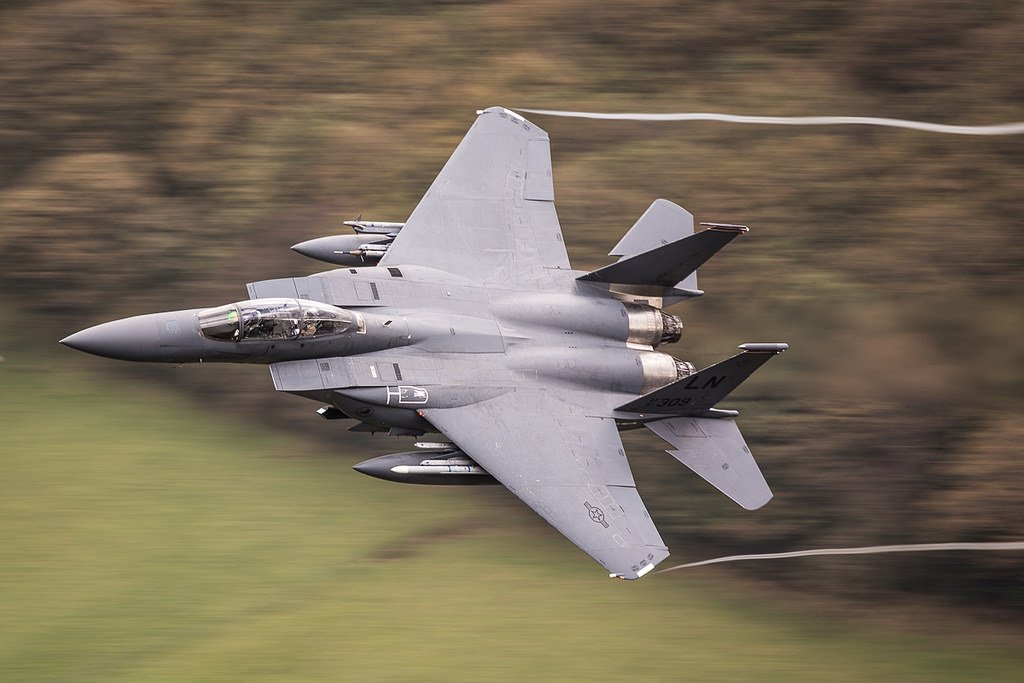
(129, 339)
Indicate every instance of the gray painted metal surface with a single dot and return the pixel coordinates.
(716, 451)
(662, 223)
(471, 323)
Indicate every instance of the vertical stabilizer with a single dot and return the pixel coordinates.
(661, 223)
(694, 395)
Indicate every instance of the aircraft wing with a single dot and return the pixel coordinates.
(490, 214)
(569, 467)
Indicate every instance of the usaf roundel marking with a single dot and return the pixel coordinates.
(596, 514)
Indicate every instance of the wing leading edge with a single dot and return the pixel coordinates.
(568, 467)
(490, 214)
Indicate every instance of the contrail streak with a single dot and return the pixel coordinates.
(998, 129)
(867, 550)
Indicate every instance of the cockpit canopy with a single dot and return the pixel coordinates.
(273, 319)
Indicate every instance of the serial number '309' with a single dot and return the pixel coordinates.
(674, 402)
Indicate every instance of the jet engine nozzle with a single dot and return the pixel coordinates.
(671, 328)
(650, 326)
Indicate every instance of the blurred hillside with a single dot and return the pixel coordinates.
(158, 156)
(145, 545)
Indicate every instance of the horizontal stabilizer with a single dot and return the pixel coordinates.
(696, 394)
(715, 450)
(670, 263)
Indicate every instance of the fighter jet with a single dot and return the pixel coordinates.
(467, 320)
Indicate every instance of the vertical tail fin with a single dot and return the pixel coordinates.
(697, 394)
(661, 223)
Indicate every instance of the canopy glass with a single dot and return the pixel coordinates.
(273, 319)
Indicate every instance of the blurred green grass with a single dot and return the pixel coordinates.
(145, 538)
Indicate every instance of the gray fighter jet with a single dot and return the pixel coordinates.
(468, 320)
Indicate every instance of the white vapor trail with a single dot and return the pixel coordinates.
(867, 550)
(998, 129)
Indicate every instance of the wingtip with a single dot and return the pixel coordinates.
(501, 110)
(639, 573)
(727, 227)
(763, 347)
